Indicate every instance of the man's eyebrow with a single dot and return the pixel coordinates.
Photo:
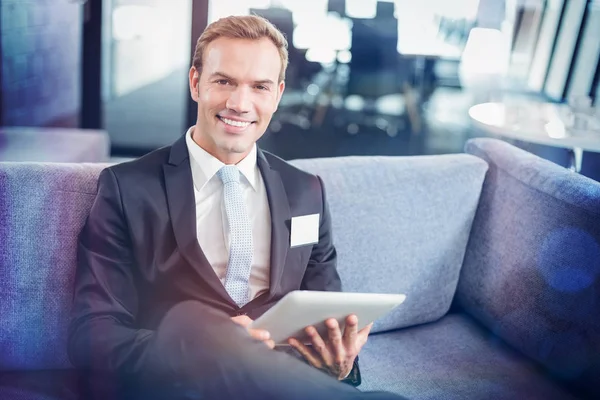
(222, 75)
(267, 81)
(261, 81)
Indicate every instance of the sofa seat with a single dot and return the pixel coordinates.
(66, 384)
(453, 358)
(40, 385)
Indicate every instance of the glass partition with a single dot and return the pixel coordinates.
(146, 63)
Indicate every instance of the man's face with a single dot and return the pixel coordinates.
(237, 92)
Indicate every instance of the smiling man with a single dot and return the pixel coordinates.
(236, 97)
(187, 245)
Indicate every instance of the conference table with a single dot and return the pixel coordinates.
(544, 123)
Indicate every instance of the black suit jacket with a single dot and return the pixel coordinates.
(138, 254)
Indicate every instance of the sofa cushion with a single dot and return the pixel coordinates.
(453, 358)
(40, 385)
(67, 384)
(532, 268)
(42, 210)
(400, 225)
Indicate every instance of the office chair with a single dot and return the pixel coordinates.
(338, 6)
(385, 10)
(299, 72)
(379, 74)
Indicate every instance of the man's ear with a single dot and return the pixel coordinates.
(194, 78)
(280, 90)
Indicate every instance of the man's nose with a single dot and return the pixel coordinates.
(239, 100)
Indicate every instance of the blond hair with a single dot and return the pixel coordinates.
(242, 27)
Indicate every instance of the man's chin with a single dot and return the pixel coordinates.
(235, 148)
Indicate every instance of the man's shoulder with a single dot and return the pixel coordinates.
(146, 166)
(288, 170)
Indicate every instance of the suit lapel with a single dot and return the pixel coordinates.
(280, 220)
(182, 210)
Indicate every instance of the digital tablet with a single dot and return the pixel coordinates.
(301, 308)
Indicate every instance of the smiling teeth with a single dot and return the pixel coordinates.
(235, 123)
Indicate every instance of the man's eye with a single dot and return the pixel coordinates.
(261, 87)
(222, 81)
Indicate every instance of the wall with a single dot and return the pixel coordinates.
(41, 57)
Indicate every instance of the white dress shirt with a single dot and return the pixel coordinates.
(211, 218)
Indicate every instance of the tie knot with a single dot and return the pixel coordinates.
(229, 173)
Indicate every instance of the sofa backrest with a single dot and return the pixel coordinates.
(401, 225)
(532, 269)
(42, 209)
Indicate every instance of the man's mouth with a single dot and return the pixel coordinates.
(237, 124)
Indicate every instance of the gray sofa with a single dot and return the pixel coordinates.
(497, 250)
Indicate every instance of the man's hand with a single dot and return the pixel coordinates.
(259, 334)
(337, 354)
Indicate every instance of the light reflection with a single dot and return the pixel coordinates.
(304, 11)
(323, 55)
(361, 8)
(133, 21)
(312, 89)
(339, 36)
(493, 114)
(344, 57)
(484, 62)
(555, 128)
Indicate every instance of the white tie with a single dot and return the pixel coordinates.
(240, 229)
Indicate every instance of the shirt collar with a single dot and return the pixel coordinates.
(208, 165)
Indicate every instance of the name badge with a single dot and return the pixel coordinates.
(305, 230)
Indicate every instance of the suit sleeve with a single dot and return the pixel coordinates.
(102, 332)
(321, 272)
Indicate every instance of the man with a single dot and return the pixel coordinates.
(187, 245)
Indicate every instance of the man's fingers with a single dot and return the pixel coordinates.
(335, 340)
(363, 334)
(351, 331)
(333, 330)
(306, 353)
(319, 346)
(242, 320)
(259, 334)
(263, 336)
(366, 330)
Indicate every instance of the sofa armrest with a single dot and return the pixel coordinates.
(531, 272)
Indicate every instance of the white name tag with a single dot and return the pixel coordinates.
(305, 230)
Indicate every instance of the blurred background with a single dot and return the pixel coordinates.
(366, 77)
